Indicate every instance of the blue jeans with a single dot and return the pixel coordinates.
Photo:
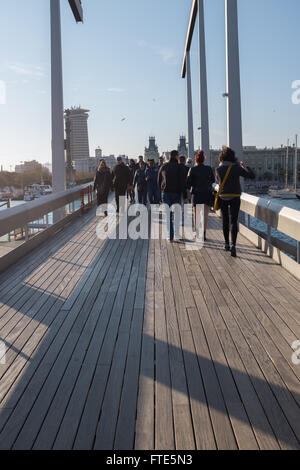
(142, 196)
(170, 199)
(153, 195)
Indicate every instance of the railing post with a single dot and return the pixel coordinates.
(82, 200)
(269, 240)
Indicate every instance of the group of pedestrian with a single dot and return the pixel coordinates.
(178, 182)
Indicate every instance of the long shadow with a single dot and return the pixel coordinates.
(215, 399)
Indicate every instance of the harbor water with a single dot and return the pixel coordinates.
(262, 226)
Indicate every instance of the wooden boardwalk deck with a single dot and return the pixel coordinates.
(145, 345)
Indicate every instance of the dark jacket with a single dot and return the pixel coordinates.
(233, 185)
(121, 177)
(103, 181)
(186, 168)
(152, 176)
(140, 179)
(200, 179)
(172, 178)
(132, 169)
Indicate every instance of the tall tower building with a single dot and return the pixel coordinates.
(182, 147)
(152, 151)
(77, 138)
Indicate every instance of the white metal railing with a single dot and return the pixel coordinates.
(274, 215)
(21, 216)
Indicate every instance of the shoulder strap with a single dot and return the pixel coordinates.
(224, 180)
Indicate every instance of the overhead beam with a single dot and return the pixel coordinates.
(189, 36)
(77, 10)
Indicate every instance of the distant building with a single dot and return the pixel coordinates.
(98, 153)
(152, 151)
(268, 163)
(182, 147)
(77, 138)
(86, 165)
(27, 167)
(48, 166)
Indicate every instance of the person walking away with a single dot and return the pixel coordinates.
(200, 180)
(230, 171)
(103, 184)
(121, 180)
(172, 183)
(131, 192)
(141, 183)
(152, 183)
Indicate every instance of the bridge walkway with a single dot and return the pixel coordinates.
(125, 344)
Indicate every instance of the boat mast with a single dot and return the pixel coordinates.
(287, 166)
(296, 163)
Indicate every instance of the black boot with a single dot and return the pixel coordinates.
(233, 251)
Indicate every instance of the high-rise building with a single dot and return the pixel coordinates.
(152, 151)
(182, 147)
(77, 138)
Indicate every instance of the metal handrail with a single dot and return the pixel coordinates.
(20, 216)
(281, 218)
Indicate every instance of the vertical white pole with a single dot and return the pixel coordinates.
(287, 165)
(296, 163)
(203, 85)
(58, 152)
(190, 107)
(234, 111)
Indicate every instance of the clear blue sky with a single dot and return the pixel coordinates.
(128, 54)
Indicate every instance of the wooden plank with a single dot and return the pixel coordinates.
(76, 318)
(96, 402)
(164, 431)
(233, 342)
(44, 417)
(144, 438)
(270, 372)
(184, 432)
(26, 333)
(125, 431)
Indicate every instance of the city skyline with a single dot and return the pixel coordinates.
(133, 87)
